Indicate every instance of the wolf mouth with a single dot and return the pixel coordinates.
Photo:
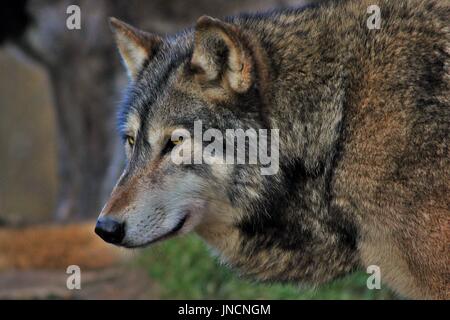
(170, 234)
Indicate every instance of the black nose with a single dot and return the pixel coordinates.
(110, 230)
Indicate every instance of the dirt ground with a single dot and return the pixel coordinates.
(34, 260)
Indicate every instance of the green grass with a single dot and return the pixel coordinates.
(184, 269)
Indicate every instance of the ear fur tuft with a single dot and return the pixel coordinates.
(135, 46)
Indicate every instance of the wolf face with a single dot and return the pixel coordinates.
(209, 75)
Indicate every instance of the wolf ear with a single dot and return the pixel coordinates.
(135, 46)
(222, 55)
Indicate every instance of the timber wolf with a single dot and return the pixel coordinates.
(364, 123)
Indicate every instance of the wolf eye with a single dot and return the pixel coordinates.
(177, 141)
(130, 140)
(171, 144)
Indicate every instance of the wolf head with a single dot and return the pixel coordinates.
(215, 74)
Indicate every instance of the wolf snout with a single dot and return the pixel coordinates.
(110, 230)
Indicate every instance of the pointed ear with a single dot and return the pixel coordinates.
(222, 55)
(135, 46)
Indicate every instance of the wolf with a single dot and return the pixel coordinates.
(364, 129)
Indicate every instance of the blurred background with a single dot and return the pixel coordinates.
(60, 157)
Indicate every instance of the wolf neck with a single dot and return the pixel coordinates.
(293, 231)
(293, 234)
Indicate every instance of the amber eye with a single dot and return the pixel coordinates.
(178, 141)
(130, 140)
(171, 144)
